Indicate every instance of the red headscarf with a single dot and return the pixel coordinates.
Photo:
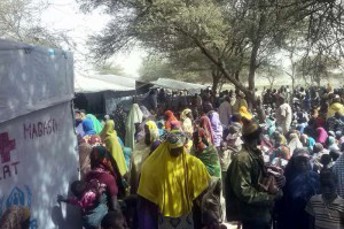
(169, 119)
(206, 125)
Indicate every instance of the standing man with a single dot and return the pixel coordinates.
(283, 115)
(246, 200)
(225, 112)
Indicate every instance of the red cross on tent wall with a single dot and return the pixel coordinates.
(6, 146)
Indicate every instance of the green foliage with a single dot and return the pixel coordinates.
(227, 38)
(155, 67)
(20, 20)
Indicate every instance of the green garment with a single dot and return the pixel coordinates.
(210, 159)
(244, 200)
(109, 137)
(98, 127)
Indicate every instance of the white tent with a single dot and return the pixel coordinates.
(179, 85)
(38, 154)
(93, 82)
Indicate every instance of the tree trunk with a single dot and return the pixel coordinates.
(216, 75)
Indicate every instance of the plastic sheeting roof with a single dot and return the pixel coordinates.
(33, 78)
(93, 82)
(178, 85)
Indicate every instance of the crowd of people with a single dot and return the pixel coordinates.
(183, 156)
(201, 161)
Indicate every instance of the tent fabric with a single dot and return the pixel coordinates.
(93, 82)
(32, 78)
(179, 85)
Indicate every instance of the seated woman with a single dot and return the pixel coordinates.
(171, 179)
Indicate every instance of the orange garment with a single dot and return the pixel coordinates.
(169, 119)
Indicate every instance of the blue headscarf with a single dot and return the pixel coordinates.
(88, 126)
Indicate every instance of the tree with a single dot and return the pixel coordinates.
(155, 67)
(20, 20)
(317, 67)
(110, 69)
(271, 73)
(230, 35)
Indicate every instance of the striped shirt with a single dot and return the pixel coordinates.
(326, 217)
(338, 170)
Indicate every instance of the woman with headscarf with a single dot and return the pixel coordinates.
(98, 193)
(332, 144)
(102, 165)
(308, 142)
(86, 145)
(215, 124)
(109, 138)
(322, 136)
(169, 118)
(335, 107)
(187, 125)
(171, 180)
(96, 124)
(206, 152)
(294, 142)
(302, 184)
(88, 126)
(243, 111)
(206, 125)
(16, 217)
(142, 151)
(134, 119)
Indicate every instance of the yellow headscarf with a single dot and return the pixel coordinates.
(245, 113)
(153, 130)
(109, 137)
(172, 183)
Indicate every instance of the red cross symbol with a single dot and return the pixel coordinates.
(6, 146)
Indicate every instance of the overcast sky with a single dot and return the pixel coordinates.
(65, 15)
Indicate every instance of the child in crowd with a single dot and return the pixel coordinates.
(326, 210)
(91, 198)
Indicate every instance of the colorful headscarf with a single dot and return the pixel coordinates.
(245, 113)
(176, 139)
(206, 125)
(322, 135)
(96, 124)
(88, 127)
(109, 137)
(153, 130)
(101, 160)
(206, 153)
(170, 118)
(161, 171)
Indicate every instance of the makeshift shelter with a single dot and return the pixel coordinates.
(100, 94)
(179, 85)
(37, 140)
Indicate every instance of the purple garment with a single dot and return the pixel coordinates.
(80, 130)
(217, 127)
(147, 214)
